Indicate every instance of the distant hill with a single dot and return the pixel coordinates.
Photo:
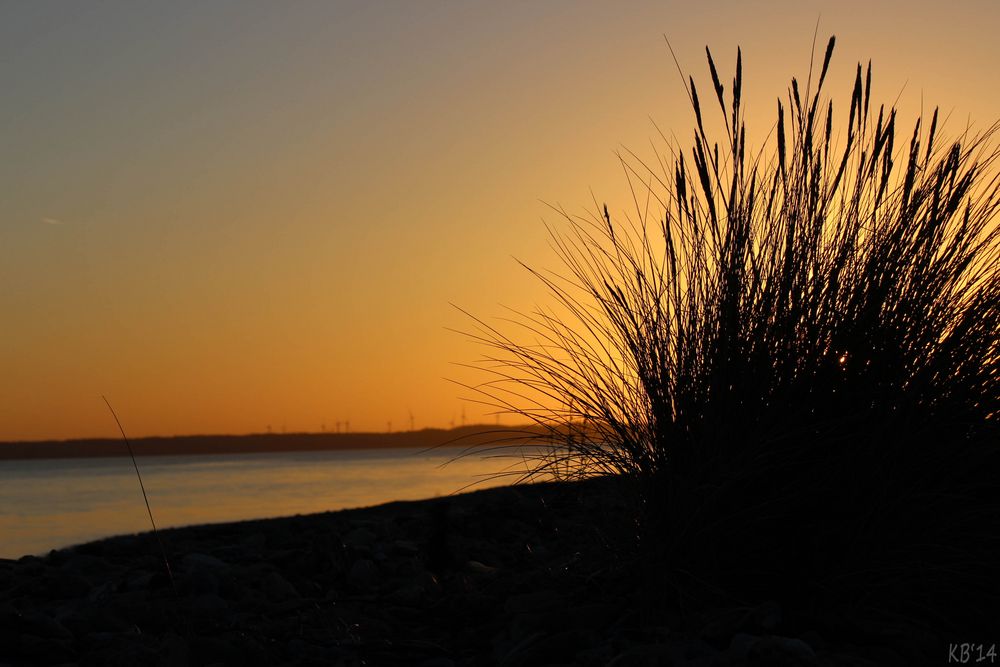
(266, 442)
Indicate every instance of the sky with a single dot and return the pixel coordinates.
(231, 217)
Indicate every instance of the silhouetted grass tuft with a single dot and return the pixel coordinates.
(795, 352)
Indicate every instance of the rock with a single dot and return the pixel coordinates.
(140, 611)
(55, 584)
(231, 648)
(43, 625)
(95, 618)
(174, 649)
(102, 592)
(534, 602)
(359, 538)
(277, 588)
(209, 606)
(130, 545)
(410, 595)
(766, 616)
(436, 662)
(229, 552)
(476, 567)
(198, 560)
(597, 656)
(773, 650)
(814, 639)
(405, 548)
(133, 651)
(29, 566)
(9, 615)
(140, 582)
(475, 605)
(438, 548)
(740, 645)
(363, 575)
(555, 648)
(372, 628)
(593, 616)
(198, 581)
(85, 564)
(692, 653)
(413, 589)
(45, 650)
(312, 654)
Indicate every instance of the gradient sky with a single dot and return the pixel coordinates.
(231, 215)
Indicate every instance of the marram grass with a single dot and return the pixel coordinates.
(793, 351)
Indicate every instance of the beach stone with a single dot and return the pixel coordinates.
(42, 625)
(374, 628)
(147, 615)
(29, 566)
(591, 616)
(313, 654)
(363, 574)
(406, 588)
(9, 615)
(360, 538)
(139, 582)
(406, 567)
(174, 650)
(102, 592)
(692, 653)
(228, 552)
(199, 581)
(405, 548)
(534, 602)
(283, 559)
(309, 561)
(410, 595)
(599, 655)
(415, 588)
(130, 545)
(436, 662)
(56, 584)
(814, 639)
(254, 541)
(209, 606)
(740, 645)
(277, 588)
(84, 563)
(198, 560)
(772, 650)
(45, 650)
(123, 652)
(555, 648)
(476, 567)
(160, 582)
(766, 616)
(91, 618)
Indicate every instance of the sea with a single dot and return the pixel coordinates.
(53, 503)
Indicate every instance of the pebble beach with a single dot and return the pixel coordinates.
(524, 575)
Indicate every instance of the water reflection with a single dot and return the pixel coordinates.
(46, 504)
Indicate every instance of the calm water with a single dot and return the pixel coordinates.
(54, 503)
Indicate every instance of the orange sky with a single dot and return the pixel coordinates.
(239, 215)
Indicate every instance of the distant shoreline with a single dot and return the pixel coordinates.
(188, 445)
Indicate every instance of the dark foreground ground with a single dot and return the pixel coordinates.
(509, 576)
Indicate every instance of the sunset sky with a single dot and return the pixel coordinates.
(227, 216)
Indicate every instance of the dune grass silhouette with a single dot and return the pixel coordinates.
(794, 352)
